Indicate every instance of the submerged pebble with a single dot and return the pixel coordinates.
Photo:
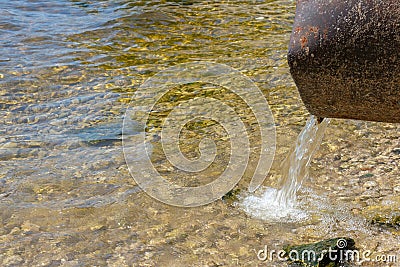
(66, 195)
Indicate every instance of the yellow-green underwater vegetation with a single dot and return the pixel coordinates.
(68, 70)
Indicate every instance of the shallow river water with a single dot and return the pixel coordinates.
(68, 70)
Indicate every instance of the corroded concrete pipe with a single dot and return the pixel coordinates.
(344, 56)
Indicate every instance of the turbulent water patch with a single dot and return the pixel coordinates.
(281, 204)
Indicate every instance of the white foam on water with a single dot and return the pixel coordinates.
(314, 210)
(266, 207)
(281, 204)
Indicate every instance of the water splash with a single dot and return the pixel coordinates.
(295, 166)
(267, 208)
(274, 204)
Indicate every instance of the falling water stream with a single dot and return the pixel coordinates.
(295, 166)
(68, 69)
(278, 204)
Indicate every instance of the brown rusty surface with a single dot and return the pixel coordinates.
(345, 58)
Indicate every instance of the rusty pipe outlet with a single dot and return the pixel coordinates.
(344, 56)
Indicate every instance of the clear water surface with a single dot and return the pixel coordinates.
(67, 72)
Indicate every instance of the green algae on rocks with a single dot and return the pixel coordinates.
(333, 252)
(388, 220)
